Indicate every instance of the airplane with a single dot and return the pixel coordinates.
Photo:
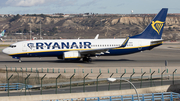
(2, 34)
(77, 49)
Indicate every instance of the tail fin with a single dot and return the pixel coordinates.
(155, 29)
(2, 33)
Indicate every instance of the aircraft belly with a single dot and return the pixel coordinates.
(123, 51)
(40, 54)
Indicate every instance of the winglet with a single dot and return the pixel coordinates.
(125, 42)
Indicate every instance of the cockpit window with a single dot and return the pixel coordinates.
(12, 46)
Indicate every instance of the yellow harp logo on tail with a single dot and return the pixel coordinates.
(157, 26)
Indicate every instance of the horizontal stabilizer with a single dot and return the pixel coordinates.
(160, 41)
(157, 41)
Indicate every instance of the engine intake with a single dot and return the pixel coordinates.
(72, 55)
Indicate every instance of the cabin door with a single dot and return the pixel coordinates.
(139, 45)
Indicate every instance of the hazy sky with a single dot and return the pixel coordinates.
(83, 6)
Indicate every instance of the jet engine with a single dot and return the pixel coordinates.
(72, 55)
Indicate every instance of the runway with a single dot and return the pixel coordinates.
(152, 58)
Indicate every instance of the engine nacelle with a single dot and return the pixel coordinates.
(72, 55)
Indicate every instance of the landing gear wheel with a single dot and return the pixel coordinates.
(85, 59)
(89, 60)
(19, 60)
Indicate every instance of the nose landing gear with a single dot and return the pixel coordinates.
(19, 58)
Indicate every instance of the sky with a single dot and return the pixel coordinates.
(87, 6)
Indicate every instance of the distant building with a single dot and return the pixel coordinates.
(66, 15)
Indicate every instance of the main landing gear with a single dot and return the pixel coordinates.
(87, 59)
(19, 60)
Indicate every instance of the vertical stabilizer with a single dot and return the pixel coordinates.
(155, 29)
(2, 33)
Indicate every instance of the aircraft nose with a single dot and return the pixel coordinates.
(5, 51)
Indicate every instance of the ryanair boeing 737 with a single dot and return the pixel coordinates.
(76, 49)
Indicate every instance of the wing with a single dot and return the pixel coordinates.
(103, 50)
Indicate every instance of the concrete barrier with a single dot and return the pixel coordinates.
(87, 94)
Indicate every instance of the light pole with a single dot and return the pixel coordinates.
(132, 86)
(110, 80)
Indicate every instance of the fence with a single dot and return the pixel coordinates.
(14, 86)
(63, 84)
(57, 70)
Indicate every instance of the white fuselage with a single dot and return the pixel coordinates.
(40, 48)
